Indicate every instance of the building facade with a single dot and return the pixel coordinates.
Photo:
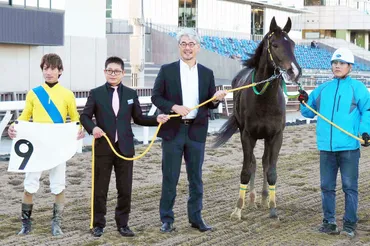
(342, 19)
(75, 30)
(229, 16)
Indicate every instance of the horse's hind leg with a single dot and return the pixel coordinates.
(248, 144)
(269, 161)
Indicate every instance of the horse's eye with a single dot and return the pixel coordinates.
(274, 45)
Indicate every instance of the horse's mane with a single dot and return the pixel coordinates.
(254, 60)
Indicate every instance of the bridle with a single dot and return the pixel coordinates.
(277, 70)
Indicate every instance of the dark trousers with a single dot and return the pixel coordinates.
(123, 173)
(347, 162)
(172, 152)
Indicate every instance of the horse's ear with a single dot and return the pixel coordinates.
(273, 24)
(288, 25)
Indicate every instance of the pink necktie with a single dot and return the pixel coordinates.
(115, 105)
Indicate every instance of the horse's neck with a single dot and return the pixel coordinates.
(264, 74)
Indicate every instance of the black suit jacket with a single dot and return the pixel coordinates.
(99, 103)
(167, 92)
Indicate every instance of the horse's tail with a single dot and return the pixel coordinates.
(226, 131)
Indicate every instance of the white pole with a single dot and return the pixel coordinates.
(137, 43)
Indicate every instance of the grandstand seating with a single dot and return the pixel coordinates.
(307, 57)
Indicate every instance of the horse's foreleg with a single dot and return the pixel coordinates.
(272, 149)
(265, 190)
(252, 193)
(245, 176)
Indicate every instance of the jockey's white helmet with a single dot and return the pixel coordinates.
(343, 55)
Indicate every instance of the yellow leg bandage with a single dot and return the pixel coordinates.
(272, 195)
(242, 191)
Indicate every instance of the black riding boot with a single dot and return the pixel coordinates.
(57, 220)
(26, 219)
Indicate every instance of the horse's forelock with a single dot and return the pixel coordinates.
(253, 61)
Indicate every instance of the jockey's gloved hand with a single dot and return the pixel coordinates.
(303, 96)
(366, 139)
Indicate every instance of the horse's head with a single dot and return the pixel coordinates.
(280, 49)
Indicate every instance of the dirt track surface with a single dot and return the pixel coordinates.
(298, 201)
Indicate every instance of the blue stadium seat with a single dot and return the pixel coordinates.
(307, 57)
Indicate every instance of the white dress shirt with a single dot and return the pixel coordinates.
(189, 87)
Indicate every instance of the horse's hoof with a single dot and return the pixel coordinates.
(273, 213)
(237, 214)
(264, 203)
(252, 205)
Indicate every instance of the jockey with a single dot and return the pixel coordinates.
(48, 103)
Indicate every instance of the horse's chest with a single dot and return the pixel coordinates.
(261, 131)
(260, 125)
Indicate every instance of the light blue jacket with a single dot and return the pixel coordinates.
(346, 103)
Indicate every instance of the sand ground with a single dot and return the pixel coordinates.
(298, 201)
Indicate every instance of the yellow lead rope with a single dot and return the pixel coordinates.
(156, 133)
(142, 154)
(331, 123)
(160, 124)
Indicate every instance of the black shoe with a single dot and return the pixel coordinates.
(97, 231)
(201, 226)
(126, 232)
(329, 228)
(167, 227)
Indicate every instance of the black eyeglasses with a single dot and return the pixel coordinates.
(115, 72)
(191, 45)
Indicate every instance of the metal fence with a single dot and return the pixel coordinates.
(118, 26)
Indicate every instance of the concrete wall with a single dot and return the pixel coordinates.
(336, 17)
(224, 16)
(119, 45)
(165, 50)
(281, 18)
(157, 11)
(162, 11)
(83, 60)
(120, 9)
(85, 18)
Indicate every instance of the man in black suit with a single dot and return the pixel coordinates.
(179, 87)
(113, 105)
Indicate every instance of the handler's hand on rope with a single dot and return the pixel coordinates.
(220, 95)
(303, 96)
(181, 110)
(163, 118)
(366, 139)
(98, 132)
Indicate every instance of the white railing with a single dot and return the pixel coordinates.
(9, 106)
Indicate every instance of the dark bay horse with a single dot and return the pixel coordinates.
(260, 113)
